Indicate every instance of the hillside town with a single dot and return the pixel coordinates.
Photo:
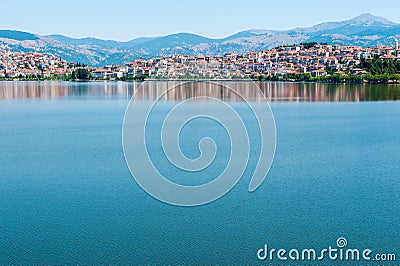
(317, 60)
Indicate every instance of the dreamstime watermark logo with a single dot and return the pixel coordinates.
(340, 252)
(341, 242)
(196, 100)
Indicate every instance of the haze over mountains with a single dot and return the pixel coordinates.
(363, 30)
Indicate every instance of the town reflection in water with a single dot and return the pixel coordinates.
(274, 91)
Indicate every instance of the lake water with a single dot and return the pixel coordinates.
(67, 196)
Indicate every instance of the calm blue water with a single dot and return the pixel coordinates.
(67, 196)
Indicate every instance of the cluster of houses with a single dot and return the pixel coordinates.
(32, 64)
(284, 60)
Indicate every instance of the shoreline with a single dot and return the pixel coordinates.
(388, 82)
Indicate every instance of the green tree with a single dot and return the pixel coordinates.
(308, 45)
(81, 74)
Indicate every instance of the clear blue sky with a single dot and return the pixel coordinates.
(125, 20)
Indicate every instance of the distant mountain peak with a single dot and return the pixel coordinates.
(368, 18)
(18, 35)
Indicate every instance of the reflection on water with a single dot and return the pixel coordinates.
(274, 91)
(61, 89)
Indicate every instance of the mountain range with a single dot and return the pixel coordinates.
(363, 30)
